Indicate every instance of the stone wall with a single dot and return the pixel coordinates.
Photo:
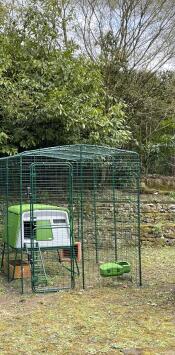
(158, 219)
(164, 183)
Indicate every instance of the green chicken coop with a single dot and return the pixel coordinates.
(50, 226)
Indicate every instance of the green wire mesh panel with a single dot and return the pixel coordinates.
(109, 218)
(52, 232)
(9, 195)
(90, 194)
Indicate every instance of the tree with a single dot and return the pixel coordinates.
(49, 95)
(151, 116)
(141, 30)
(52, 93)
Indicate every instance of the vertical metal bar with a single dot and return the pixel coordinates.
(7, 220)
(77, 204)
(95, 210)
(138, 230)
(21, 202)
(81, 215)
(114, 208)
(32, 175)
(14, 267)
(70, 204)
(2, 257)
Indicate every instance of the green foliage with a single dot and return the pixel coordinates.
(59, 100)
(50, 94)
(5, 148)
(150, 113)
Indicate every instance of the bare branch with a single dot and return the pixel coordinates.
(140, 28)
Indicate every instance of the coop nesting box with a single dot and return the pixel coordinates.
(50, 226)
(17, 269)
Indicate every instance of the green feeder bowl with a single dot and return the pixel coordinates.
(125, 266)
(111, 269)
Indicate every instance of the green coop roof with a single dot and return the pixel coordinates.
(80, 152)
(26, 207)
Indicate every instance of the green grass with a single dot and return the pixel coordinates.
(108, 320)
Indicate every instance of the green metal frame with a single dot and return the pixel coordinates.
(33, 197)
(109, 232)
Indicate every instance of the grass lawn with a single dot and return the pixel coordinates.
(109, 320)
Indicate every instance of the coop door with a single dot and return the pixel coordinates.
(51, 210)
(44, 231)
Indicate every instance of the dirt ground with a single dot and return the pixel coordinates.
(109, 320)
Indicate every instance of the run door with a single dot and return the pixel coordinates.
(51, 226)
